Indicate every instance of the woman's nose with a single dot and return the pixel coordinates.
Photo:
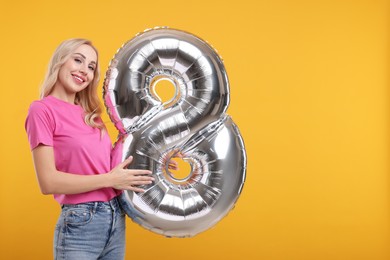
(83, 70)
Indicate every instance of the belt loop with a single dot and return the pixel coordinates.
(95, 207)
(114, 204)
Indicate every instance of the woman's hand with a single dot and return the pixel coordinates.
(173, 165)
(129, 179)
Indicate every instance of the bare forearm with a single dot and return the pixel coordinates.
(67, 183)
(52, 181)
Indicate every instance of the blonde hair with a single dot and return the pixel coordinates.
(87, 98)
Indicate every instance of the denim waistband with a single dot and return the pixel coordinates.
(111, 204)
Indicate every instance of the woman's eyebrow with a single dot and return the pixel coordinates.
(82, 55)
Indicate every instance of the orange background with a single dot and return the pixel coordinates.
(309, 92)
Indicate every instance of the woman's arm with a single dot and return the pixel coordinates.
(52, 181)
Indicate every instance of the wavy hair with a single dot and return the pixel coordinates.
(87, 98)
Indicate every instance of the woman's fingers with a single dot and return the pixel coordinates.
(135, 185)
(126, 162)
(138, 172)
(130, 179)
(173, 165)
(136, 189)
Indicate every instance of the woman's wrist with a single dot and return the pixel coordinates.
(107, 180)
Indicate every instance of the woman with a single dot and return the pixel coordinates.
(72, 156)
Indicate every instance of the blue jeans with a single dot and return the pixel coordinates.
(93, 230)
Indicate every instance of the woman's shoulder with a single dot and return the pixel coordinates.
(41, 105)
(39, 111)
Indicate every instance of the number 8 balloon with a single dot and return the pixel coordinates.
(192, 126)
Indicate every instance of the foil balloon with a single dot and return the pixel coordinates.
(192, 125)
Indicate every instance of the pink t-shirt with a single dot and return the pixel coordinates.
(78, 147)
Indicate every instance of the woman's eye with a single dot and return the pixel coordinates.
(91, 68)
(77, 60)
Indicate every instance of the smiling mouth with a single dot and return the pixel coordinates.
(78, 79)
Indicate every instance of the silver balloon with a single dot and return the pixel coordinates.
(192, 125)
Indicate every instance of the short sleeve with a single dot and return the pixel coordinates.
(39, 125)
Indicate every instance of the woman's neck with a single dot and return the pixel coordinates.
(60, 93)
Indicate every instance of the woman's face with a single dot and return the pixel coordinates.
(78, 71)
